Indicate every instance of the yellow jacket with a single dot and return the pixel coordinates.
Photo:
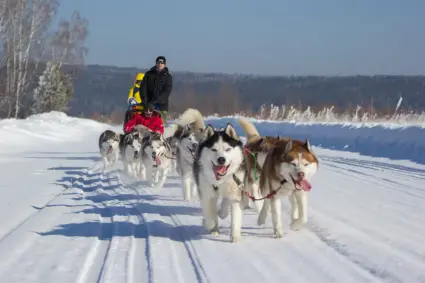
(135, 90)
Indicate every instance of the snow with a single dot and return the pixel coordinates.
(62, 219)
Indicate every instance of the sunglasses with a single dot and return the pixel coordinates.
(160, 62)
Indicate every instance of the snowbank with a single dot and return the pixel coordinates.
(53, 127)
(390, 141)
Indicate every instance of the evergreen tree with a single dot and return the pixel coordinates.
(53, 92)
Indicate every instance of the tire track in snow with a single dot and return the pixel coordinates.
(201, 274)
(315, 230)
(395, 184)
(121, 257)
(34, 244)
(198, 269)
(98, 250)
(378, 166)
(115, 245)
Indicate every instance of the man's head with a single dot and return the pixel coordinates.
(148, 111)
(160, 62)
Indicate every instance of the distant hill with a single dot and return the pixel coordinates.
(104, 89)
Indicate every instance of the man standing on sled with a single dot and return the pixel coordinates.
(156, 88)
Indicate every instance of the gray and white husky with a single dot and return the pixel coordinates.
(109, 148)
(190, 129)
(218, 168)
(156, 158)
(131, 146)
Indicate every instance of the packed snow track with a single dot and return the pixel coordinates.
(63, 220)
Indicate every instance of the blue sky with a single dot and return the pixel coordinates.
(267, 37)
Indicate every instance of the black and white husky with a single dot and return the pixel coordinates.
(219, 169)
(109, 148)
(131, 146)
(156, 158)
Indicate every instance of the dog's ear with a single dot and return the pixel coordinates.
(288, 147)
(128, 138)
(307, 145)
(209, 132)
(231, 132)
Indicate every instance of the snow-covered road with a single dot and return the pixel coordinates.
(62, 220)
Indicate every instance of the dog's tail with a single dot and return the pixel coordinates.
(170, 130)
(249, 129)
(194, 119)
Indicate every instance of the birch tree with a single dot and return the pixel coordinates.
(24, 24)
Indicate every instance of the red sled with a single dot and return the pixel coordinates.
(152, 122)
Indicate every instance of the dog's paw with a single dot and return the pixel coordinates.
(261, 221)
(235, 238)
(297, 224)
(278, 234)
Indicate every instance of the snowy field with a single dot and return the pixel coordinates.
(62, 220)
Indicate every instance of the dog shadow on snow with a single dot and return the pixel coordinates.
(108, 204)
(99, 189)
(143, 229)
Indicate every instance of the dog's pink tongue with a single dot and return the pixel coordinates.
(157, 160)
(220, 169)
(304, 185)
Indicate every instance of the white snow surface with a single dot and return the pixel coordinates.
(63, 220)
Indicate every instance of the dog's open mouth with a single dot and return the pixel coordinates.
(191, 151)
(156, 159)
(302, 184)
(219, 170)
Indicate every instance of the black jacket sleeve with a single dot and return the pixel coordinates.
(164, 94)
(144, 90)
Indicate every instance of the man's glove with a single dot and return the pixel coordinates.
(132, 101)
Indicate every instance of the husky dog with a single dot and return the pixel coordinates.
(174, 143)
(256, 149)
(109, 148)
(131, 146)
(172, 135)
(287, 171)
(192, 130)
(186, 150)
(219, 162)
(156, 153)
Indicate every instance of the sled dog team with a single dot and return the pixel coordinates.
(214, 164)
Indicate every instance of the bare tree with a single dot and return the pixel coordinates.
(67, 44)
(24, 24)
(66, 47)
